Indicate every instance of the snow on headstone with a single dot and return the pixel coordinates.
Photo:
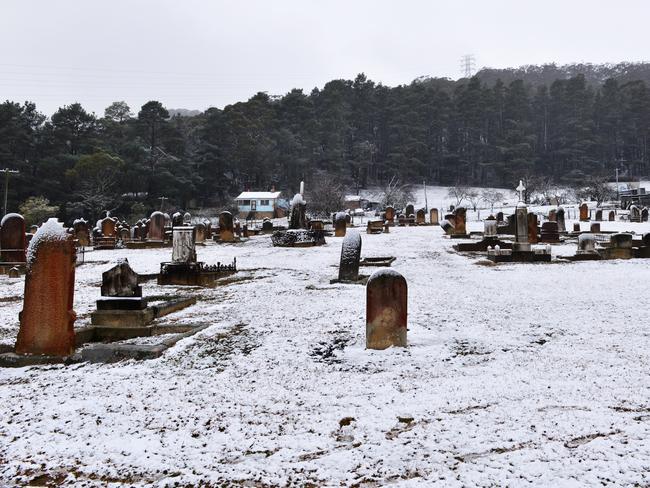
(47, 319)
(386, 310)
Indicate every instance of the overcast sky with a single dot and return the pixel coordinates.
(196, 54)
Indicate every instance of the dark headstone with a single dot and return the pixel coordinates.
(120, 281)
(350, 257)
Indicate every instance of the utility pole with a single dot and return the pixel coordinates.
(7, 172)
(426, 203)
(618, 197)
(467, 65)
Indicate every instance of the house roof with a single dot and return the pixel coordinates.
(254, 195)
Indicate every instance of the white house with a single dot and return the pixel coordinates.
(263, 203)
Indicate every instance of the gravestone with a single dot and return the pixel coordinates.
(120, 281)
(521, 228)
(267, 226)
(420, 217)
(499, 217)
(433, 216)
(595, 228)
(390, 214)
(244, 230)
(156, 227)
(386, 310)
(559, 218)
(187, 218)
(635, 214)
(644, 214)
(587, 245)
(125, 234)
(490, 227)
(350, 257)
(409, 210)
(200, 233)
(226, 229)
(177, 219)
(455, 225)
(612, 216)
(599, 215)
(316, 225)
(183, 250)
(81, 232)
(121, 304)
(340, 224)
(584, 213)
(107, 227)
(47, 319)
(550, 232)
(12, 238)
(14, 272)
(576, 227)
(297, 217)
(533, 238)
(552, 215)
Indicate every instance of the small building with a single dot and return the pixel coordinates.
(259, 205)
(355, 201)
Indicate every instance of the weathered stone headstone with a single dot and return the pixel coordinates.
(226, 229)
(47, 319)
(350, 257)
(521, 228)
(267, 226)
(490, 227)
(108, 227)
(599, 215)
(200, 233)
(576, 227)
(549, 232)
(420, 217)
(409, 210)
(586, 244)
(635, 214)
(390, 214)
(316, 225)
(156, 227)
(533, 238)
(552, 215)
(433, 216)
(499, 217)
(12, 238)
(81, 232)
(340, 224)
(183, 250)
(644, 214)
(612, 216)
(177, 219)
(386, 310)
(297, 214)
(595, 228)
(584, 213)
(187, 218)
(561, 223)
(125, 234)
(14, 272)
(120, 281)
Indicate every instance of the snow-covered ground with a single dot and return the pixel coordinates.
(515, 374)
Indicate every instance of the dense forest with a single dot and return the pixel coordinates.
(564, 123)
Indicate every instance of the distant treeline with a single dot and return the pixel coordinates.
(564, 123)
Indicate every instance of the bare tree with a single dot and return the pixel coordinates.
(325, 194)
(597, 189)
(474, 198)
(491, 197)
(459, 193)
(395, 194)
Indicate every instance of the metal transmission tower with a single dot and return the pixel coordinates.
(467, 65)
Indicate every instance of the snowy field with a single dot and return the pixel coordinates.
(515, 375)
